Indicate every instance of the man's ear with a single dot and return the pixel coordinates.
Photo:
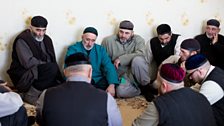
(90, 72)
(65, 72)
(193, 53)
(219, 30)
(164, 87)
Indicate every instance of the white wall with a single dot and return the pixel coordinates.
(67, 19)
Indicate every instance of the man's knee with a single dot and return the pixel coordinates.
(127, 91)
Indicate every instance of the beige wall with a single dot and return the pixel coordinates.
(67, 19)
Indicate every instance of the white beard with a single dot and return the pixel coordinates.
(39, 39)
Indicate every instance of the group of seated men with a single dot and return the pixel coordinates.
(122, 66)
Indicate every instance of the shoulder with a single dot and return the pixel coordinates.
(138, 37)
(110, 38)
(75, 45)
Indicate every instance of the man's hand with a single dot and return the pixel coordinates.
(4, 86)
(215, 39)
(111, 89)
(116, 63)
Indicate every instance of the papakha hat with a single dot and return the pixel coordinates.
(172, 73)
(39, 21)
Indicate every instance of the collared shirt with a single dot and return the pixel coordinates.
(114, 116)
(10, 102)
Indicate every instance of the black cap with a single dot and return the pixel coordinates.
(77, 59)
(39, 21)
(90, 30)
(163, 29)
(195, 61)
(190, 44)
(213, 22)
(126, 25)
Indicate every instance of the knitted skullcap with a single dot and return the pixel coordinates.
(163, 29)
(190, 44)
(172, 73)
(90, 30)
(39, 21)
(195, 61)
(126, 25)
(77, 59)
(213, 22)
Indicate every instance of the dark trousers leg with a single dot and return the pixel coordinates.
(48, 76)
(17, 119)
(102, 84)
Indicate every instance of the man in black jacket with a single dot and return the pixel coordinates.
(176, 105)
(34, 66)
(212, 43)
(77, 102)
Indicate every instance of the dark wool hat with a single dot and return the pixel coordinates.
(90, 30)
(163, 29)
(39, 21)
(172, 73)
(195, 61)
(77, 59)
(190, 44)
(126, 25)
(213, 22)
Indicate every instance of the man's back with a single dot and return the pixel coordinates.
(75, 103)
(184, 107)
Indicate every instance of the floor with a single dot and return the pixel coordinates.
(130, 108)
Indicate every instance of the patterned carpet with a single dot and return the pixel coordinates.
(130, 108)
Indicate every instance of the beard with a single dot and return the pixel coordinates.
(38, 38)
(87, 47)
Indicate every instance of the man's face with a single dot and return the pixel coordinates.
(194, 75)
(184, 54)
(38, 32)
(211, 31)
(165, 38)
(88, 40)
(124, 35)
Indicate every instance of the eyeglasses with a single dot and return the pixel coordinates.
(190, 74)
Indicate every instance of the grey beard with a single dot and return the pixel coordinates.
(39, 39)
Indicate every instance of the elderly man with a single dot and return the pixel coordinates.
(34, 66)
(77, 102)
(104, 73)
(157, 50)
(122, 48)
(176, 105)
(211, 79)
(212, 43)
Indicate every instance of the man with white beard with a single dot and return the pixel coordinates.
(104, 74)
(34, 67)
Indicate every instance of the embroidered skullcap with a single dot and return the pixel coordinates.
(195, 61)
(126, 25)
(213, 22)
(163, 29)
(190, 44)
(90, 30)
(39, 21)
(172, 73)
(77, 59)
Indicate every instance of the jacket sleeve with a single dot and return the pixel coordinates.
(149, 117)
(109, 68)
